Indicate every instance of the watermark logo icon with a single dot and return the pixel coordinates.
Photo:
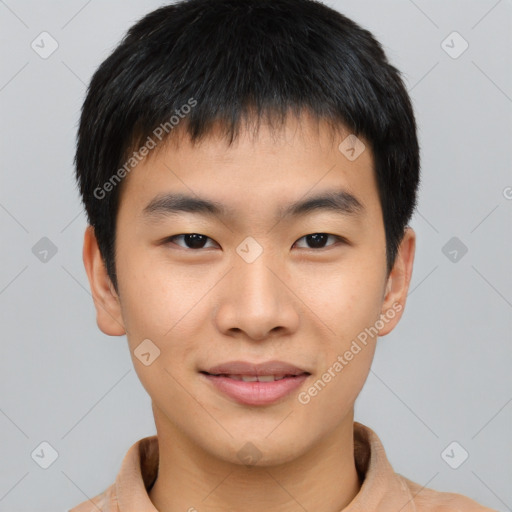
(146, 352)
(44, 45)
(44, 455)
(249, 454)
(454, 249)
(351, 147)
(249, 250)
(454, 45)
(44, 250)
(454, 455)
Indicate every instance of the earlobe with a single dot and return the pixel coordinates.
(106, 300)
(398, 282)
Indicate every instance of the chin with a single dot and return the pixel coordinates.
(258, 450)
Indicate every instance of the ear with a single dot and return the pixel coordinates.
(106, 300)
(398, 282)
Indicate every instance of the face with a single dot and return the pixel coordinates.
(274, 254)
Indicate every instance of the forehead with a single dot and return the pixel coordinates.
(262, 171)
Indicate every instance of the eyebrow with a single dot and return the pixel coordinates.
(165, 205)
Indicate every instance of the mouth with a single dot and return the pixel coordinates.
(256, 384)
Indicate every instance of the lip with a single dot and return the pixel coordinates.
(256, 393)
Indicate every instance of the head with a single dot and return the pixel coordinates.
(252, 106)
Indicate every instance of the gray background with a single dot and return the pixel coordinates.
(443, 375)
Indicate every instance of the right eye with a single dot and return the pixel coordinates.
(193, 241)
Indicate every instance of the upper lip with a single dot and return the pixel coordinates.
(277, 368)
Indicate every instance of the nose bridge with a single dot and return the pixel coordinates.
(256, 285)
(256, 301)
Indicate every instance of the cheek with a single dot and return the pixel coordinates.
(163, 305)
(155, 296)
(345, 355)
(156, 307)
(349, 304)
(346, 300)
(332, 395)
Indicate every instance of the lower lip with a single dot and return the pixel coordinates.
(256, 393)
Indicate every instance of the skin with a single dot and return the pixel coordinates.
(295, 303)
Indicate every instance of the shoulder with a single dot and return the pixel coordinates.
(429, 500)
(104, 502)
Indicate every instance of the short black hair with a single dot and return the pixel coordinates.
(230, 61)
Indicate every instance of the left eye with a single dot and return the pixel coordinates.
(318, 240)
(196, 241)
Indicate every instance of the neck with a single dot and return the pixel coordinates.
(323, 479)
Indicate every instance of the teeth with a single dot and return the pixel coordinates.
(255, 378)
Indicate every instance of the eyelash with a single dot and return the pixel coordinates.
(337, 237)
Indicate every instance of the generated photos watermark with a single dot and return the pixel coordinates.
(343, 360)
(152, 141)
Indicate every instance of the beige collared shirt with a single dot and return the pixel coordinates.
(382, 490)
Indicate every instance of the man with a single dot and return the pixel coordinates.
(249, 168)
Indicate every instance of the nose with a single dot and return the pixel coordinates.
(256, 301)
